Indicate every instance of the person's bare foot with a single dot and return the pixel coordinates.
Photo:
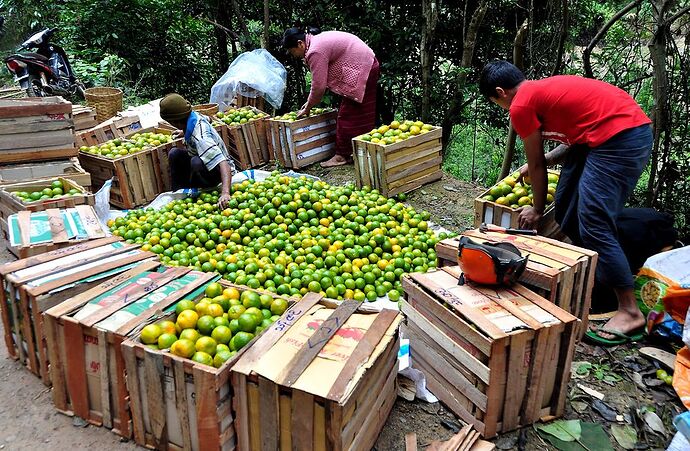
(336, 160)
(624, 321)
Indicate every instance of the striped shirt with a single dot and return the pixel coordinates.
(203, 141)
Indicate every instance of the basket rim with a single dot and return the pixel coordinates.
(102, 91)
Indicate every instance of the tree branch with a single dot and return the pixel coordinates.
(600, 34)
(677, 15)
(216, 24)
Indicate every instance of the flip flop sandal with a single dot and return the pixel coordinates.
(621, 337)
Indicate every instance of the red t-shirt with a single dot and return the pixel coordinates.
(574, 110)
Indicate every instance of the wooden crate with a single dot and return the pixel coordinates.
(257, 102)
(137, 178)
(11, 204)
(559, 272)
(84, 117)
(30, 286)
(116, 127)
(302, 142)
(36, 129)
(69, 168)
(85, 333)
(24, 248)
(175, 402)
(504, 216)
(247, 143)
(322, 378)
(499, 358)
(399, 167)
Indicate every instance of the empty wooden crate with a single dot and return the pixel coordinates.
(321, 378)
(304, 141)
(399, 167)
(499, 358)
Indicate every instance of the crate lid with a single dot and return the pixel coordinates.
(34, 106)
(321, 347)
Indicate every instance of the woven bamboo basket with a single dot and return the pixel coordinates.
(207, 109)
(106, 101)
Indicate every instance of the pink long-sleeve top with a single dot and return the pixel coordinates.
(340, 62)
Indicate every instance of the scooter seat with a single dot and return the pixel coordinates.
(32, 55)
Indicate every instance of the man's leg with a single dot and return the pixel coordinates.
(610, 174)
(202, 177)
(180, 168)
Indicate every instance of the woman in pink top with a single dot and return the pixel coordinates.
(347, 66)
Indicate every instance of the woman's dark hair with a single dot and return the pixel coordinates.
(294, 34)
(499, 74)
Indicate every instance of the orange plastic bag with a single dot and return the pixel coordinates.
(681, 376)
(676, 302)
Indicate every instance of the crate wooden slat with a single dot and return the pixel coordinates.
(177, 403)
(11, 204)
(557, 271)
(84, 117)
(26, 249)
(257, 102)
(247, 143)
(287, 397)
(137, 178)
(30, 286)
(302, 142)
(504, 216)
(69, 168)
(116, 127)
(88, 375)
(36, 129)
(499, 358)
(399, 167)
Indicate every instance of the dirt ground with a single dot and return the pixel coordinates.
(29, 421)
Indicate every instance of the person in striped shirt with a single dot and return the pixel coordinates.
(204, 162)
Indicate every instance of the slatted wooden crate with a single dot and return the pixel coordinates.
(247, 143)
(137, 178)
(503, 215)
(177, 403)
(31, 286)
(399, 167)
(85, 333)
(302, 142)
(499, 358)
(36, 129)
(322, 378)
(11, 204)
(84, 117)
(116, 127)
(559, 272)
(256, 102)
(54, 223)
(69, 168)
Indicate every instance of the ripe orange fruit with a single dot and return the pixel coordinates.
(183, 348)
(187, 319)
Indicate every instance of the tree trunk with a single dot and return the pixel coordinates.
(586, 54)
(457, 102)
(241, 21)
(221, 39)
(265, 37)
(430, 13)
(519, 60)
(565, 23)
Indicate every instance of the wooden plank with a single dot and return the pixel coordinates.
(285, 421)
(179, 378)
(153, 373)
(240, 403)
(414, 183)
(208, 423)
(316, 342)
(254, 417)
(496, 388)
(319, 427)
(302, 420)
(411, 441)
(103, 356)
(269, 408)
(75, 364)
(515, 390)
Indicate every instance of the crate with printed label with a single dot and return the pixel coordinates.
(497, 357)
(30, 286)
(296, 143)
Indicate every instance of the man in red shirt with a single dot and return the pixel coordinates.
(606, 140)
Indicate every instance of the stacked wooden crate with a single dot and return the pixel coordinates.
(304, 141)
(323, 377)
(36, 129)
(68, 168)
(137, 178)
(399, 167)
(499, 358)
(84, 117)
(560, 272)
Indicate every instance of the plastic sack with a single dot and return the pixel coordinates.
(681, 376)
(252, 74)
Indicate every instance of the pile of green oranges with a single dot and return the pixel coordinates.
(120, 147)
(56, 190)
(514, 194)
(234, 117)
(292, 236)
(212, 330)
(395, 132)
(292, 115)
